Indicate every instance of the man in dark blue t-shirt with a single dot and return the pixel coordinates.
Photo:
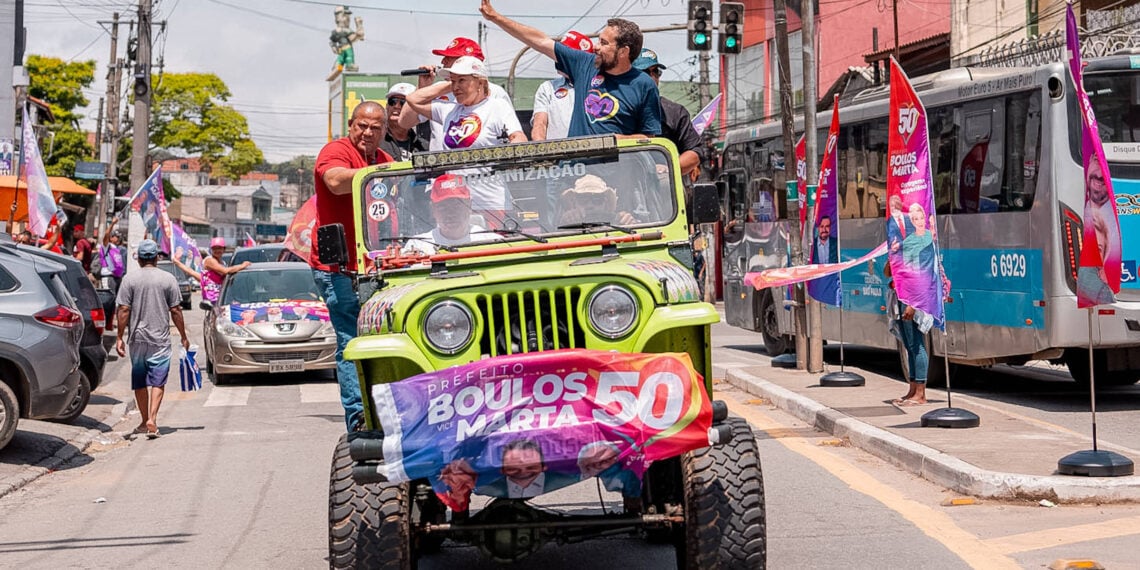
(610, 96)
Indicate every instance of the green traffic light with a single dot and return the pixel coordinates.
(730, 42)
(700, 39)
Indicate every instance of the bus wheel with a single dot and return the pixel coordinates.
(774, 342)
(1077, 359)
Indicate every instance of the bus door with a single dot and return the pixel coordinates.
(734, 259)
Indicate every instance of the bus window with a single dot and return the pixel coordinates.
(943, 142)
(1116, 99)
(1023, 136)
(875, 203)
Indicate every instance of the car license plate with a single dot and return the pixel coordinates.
(296, 365)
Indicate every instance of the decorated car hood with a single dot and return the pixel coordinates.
(278, 311)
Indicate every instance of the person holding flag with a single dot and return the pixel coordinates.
(214, 270)
(150, 202)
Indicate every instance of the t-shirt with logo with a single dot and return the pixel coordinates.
(436, 141)
(484, 124)
(626, 104)
(556, 99)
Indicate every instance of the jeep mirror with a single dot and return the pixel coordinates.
(331, 247)
(706, 205)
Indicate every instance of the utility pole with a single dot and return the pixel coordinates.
(895, 9)
(98, 137)
(704, 84)
(108, 140)
(787, 114)
(807, 34)
(141, 133)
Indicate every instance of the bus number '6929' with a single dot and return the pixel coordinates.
(1007, 265)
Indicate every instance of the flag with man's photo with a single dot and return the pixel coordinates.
(150, 202)
(1098, 275)
(825, 242)
(184, 248)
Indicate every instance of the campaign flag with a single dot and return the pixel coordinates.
(572, 414)
(801, 177)
(41, 203)
(299, 239)
(790, 275)
(825, 243)
(707, 115)
(184, 248)
(1098, 277)
(914, 258)
(249, 241)
(150, 202)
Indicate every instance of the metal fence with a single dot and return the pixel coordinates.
(1050, 47)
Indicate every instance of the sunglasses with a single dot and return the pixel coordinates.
(396, 101)
(654, 71)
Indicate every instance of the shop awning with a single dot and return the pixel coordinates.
(8, 194)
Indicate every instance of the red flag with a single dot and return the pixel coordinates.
(299, 240)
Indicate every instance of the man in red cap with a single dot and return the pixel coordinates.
(451, 208)
(554, 99)
(82, 249)
(459, 47)
(336, 165)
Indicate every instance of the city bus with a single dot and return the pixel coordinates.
(1006, 159)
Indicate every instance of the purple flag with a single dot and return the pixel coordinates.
(825, 242)
(706, 116)
(184, 249)
(913, 247)
(1098, 277)
(150, 202)
(41, 203)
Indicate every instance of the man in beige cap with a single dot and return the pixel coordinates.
(591, 200)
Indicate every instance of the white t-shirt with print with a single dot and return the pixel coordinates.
(556, 99)
(436, 142)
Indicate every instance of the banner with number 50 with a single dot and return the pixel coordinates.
(518, 426)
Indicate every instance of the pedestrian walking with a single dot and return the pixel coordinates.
(336, 164)
(148, 301)
(554, 99)
(611, 97)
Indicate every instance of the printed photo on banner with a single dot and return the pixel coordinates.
(825, 243)
(520, 426)
(278, 311)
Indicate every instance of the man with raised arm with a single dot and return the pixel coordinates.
(610, 96)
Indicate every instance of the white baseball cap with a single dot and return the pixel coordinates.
(401, 89)
(468, 65)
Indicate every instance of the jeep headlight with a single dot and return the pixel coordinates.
(612, 310)
(229, 328)
(448, 326)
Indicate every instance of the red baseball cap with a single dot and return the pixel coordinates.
(460, 47)
(449, 186)
(578, 41)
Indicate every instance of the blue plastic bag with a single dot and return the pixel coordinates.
(189, 376)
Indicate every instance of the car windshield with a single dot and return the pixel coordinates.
(264, 285)
(256, 255)
(442, 209)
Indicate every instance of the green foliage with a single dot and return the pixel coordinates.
(189, 113)
(61, 85)
(297, 170)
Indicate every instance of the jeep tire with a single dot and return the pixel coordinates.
(724, 505)
(369, 525)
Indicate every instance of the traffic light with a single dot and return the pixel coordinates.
(731, 27)
(700, 25)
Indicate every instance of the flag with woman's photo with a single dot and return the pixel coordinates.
(1098, 275)
(184, 249)
(911, 242)
(150, 202)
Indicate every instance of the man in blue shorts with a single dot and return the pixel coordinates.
(148, 301)
(610, 95)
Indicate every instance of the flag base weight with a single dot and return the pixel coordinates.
(841, 379)
(951, 418)
(1091, 463)
(784, 361)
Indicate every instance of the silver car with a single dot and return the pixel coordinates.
(269, 318)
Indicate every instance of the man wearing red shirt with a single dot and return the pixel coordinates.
(336, 164)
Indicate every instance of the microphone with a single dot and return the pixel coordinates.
(415, 72)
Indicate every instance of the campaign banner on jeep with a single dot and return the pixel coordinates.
(518, 426)
(1098, 277)
(913, 255)
(278, 312)
(825, 242)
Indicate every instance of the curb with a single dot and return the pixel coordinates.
(66, 453)
(935, 466)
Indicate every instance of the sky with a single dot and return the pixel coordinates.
(275, 57)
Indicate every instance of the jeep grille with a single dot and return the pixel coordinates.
(530, 321)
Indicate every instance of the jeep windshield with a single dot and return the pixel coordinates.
(527, 197)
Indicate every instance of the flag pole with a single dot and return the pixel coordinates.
(842, 378)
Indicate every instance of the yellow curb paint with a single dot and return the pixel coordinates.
(832, 443)
(756, 402)
(1050, 538)
(933, 523)
(1064, 564)
(959, 502)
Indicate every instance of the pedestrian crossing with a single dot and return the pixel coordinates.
(267, 394)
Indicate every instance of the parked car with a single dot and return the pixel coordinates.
(40, 330)
(185, 282)
(269, 319)
(92, 352)
(259, 254)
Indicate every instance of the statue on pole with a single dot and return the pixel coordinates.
(343, 37)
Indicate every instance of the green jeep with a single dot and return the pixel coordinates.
(529, 319)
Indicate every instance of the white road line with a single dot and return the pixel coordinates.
(228, 396)
(324, 392)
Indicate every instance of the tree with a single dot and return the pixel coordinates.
(61, 85)
(189, 113)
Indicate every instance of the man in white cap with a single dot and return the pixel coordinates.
(400, 142)
(459, 47)
(554, 99)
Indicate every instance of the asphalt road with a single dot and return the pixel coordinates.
(240, 478)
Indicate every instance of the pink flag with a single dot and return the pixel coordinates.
(249, 241)
(299, 240)
(1098, 277)
(706, 116)
(915, 263)
(781, 276)
(41, 203)
(801, 178)
(150, 202)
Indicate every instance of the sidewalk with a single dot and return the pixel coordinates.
(1007, 457)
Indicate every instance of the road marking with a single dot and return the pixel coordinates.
(1052, 537)
(325, 392)
(934, 523)
(228, 396)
